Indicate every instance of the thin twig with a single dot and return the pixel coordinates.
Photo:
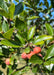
(20, 68)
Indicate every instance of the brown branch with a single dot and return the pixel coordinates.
(20, 68)
(51, 43)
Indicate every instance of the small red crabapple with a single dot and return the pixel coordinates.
(36, 50)
(30, 54)
(7, 61)
(39, 54)
(24, 55)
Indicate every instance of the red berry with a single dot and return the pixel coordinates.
(7, 61)
(24, 55)
(40, 55)
(37, 50)
(30, 54)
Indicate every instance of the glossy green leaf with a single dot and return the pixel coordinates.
(31, 32)
(27, 50)
(1, 36)
(32, 17)
(17, 73)
(9, 33)
(26, 3)
(49, 29)
(40, 39)
(23, 15)
(11, 10)
(1, 53)
(9, 43)
(3, 12)
(34, 69)
(49, 67)
(50, 52)
(36, 60)
(5, 27)
(6, 0)
(12, 58)
(10, 70)
(46, 3)
(50, 61)
(20, 38)
(19, 8)
(52, 3)
(19, 24)
(17, 0)
(3, 5)
(0, 26)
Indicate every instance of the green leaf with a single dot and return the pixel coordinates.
(3, 13)
(5, 27)
(49, 29)
(52, 3)
(20, 38)
(46, 3)
(17, 73)
(49, 67)
(19, 8)
(9, 33)
(23, 15)
(19, 24)
(27, 50)
(1, 53)
(40, 39)
(0, 26)
(3, 5)
(34, 69)
(26, 3)
(50, 61)
(36, 60)
(17, 0)
(10, 70)
(50, 52)
(11, 10)
(12, 58)
(31, 32)
(1, 36)
(32, 17)
(10, 43)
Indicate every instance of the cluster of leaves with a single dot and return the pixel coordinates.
(22, 29)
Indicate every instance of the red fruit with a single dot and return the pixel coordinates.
(24, 55)
(7, 61)
(36, 50)
(40, 55)
(30, 54)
